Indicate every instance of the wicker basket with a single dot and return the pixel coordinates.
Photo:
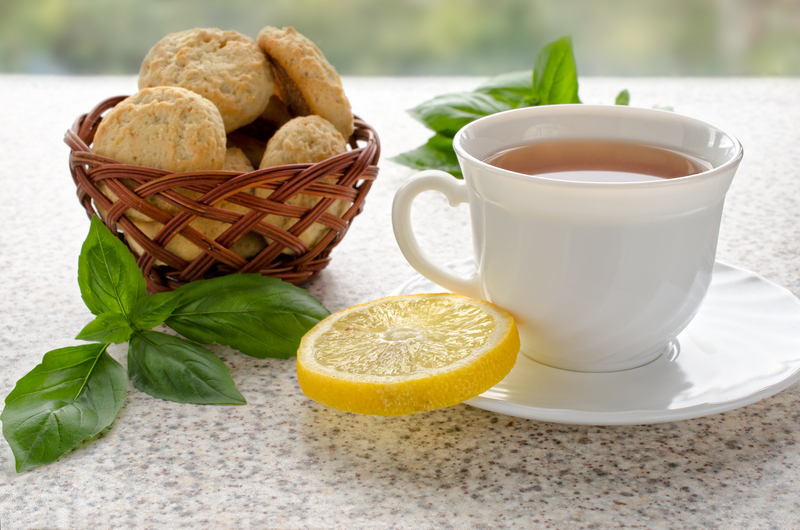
(354, 170)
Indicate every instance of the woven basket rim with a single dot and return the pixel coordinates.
(353, 172)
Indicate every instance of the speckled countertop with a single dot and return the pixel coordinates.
(282, 461)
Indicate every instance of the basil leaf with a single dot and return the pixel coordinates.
(153, 309)
(259, 316)
(623, 98)
(175, 369)
(514, 88)
(107, 327)
(448, 113)
(437, 153)
(73, 394)
(555, 76)
(109, 279)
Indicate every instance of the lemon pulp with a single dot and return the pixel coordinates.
(409, 336)
(407, 354)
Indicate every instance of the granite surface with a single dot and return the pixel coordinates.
(283, 461)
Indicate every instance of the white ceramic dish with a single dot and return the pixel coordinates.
(743, 346)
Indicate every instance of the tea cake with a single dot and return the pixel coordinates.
(307, 82)
(304, 140)
(225, 67)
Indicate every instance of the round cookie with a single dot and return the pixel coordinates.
(178, 245)
(276, 113)
(246, 246)
(178, 130)
(236, 160)
(304, 140)
(165, 128)
(224, 66)
(306, 80)
(251, 243)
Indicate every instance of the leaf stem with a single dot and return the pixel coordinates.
(102, 351)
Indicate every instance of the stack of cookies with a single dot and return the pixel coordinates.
(216, 100)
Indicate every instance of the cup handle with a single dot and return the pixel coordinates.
(456, 193)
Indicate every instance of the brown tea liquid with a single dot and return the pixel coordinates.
(597, 161)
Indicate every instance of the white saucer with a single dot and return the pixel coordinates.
(743, 346)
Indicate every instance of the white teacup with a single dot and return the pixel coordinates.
(599, 276)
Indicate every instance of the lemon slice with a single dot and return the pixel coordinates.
(406, 354)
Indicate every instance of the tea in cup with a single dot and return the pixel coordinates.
(595, 226)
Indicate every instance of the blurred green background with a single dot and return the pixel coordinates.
(423, 37)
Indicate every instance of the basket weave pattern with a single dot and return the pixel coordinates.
(354, 172)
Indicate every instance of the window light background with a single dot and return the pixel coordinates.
(423, 37)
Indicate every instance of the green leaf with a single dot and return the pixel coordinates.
(152, 310)
(109, 279)
(437, 153)
(555, 76)
(73, 394)
(623, 98)
(175, 369)
(107, 327)
(448, 113)
(261, 317)
(514, 88)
